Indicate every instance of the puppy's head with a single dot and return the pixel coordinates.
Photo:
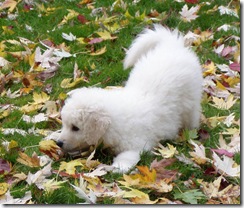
(83, 125)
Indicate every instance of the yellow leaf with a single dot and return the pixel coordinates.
(67, 83)
(24, 159)
(220, 103)
(3, 188)
(72, 14)
(105, 35)
(134, 193)
(7, 30)
(52, 185)
(99, 52)
(129, 181)
(70, 167)
(40, 98)
(10, 4)
(166, 152)
(128, 15)
(143, 200)
(210, 68)
(12, 144)
(50, 148)
(220, 86)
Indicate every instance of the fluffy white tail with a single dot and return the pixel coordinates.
(147, 40)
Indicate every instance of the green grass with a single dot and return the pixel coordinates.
(108, 71)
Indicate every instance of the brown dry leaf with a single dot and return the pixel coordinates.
(213, 191)
(24, 159)
(99, 51)
(10, 4)
(163, 173)
(50, 148)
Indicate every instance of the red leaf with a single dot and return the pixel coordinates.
(5, 166)
(82, 19)
(95, 40)
(223, 152)
(191, 1)
(235, 67)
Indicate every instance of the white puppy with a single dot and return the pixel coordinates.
(161, 96)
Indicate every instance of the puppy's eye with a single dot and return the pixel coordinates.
(75, 128)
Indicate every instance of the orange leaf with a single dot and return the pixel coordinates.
(50, 148)
(24, 159)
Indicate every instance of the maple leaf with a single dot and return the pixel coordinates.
(39, 178)
(161, 172)
(199, 155)
(214, 190)
(189, 14)
(233, 146)
(190, 196)
(227, 166)
(50, 148)
(72, 14)
(70, 167)
(53, 184)
(8, 199)
(10, 4)
(24, 159)
(166, 152)
(47, 60)
(35, 119)
(69, 37)
(68, 83)
(39, 100)
(89, 198)
(224, 104)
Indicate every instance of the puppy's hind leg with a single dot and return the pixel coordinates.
(126, 160)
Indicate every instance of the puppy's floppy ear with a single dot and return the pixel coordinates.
(95, 123)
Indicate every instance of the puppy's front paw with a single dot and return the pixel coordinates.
(121, 167)
(126, 161)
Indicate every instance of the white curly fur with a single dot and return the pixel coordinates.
(161, 96)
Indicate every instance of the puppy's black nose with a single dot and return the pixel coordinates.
(59, 143)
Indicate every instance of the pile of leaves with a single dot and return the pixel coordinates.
(48, 48)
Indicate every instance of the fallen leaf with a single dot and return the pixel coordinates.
(5, 167)
(190, 196)
(224, 104)
(99, 52)
(189, 14)
(227, 166)
(50, 148)
(10, 4)
(199, 155)
(166, 152)
(3, 188)
(70, 167)
(68, 83)
(24, 159)
(52, 184)
(69, 37)
(161, 172)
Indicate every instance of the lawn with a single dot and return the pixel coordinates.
(48, 48)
